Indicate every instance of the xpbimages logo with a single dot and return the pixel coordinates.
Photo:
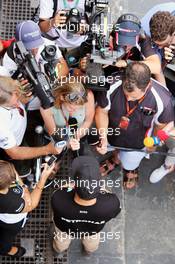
(101, 236)
(103, 184)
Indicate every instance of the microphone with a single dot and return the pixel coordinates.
(39, 130)
(73, 126)
(162, 136)
(167, 138)
(151, 141)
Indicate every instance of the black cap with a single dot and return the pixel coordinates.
(86, 173)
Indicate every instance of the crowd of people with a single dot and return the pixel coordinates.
(137, 105)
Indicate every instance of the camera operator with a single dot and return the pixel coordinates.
(128, 33)
(12, 130)
(29, 33)
(54, 23)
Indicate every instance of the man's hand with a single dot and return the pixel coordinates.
(102, 147)
(169, 52)
(48, 170)
(121, 64)
(151, 149)
(51, 149)
(84, 62)
(74, 144)
(59, 19)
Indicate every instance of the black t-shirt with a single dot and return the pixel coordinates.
(12, 202)
(70, 217)
(157, 99)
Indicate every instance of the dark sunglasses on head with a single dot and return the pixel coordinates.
(73, 97)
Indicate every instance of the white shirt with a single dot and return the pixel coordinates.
(13, 127)
(4, 71)
(170, 7)
(46, 12)
(11, 66)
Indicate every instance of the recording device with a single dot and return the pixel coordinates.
(97, 43)
(162, 136)
(60, 137)
(168, 138)
(73, 20)
(51, 160)
(49, 55)
(38, 162)
(173, 52)
(28, 66)
(73, 125)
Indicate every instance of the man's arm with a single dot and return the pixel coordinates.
(21, 153)
(62, 68)
(102, 121)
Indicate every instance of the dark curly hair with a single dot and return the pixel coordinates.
(137, 74)
(162, 24)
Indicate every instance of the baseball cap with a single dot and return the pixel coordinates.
(86, 173)
(29, 33)
(127, 32)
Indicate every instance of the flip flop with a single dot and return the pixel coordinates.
(108, 166)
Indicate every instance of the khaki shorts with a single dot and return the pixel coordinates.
(62, 240)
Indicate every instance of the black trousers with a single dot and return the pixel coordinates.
(8, 233)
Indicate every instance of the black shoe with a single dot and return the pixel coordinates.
(21, 251)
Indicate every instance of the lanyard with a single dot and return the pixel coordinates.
(65, 118)
(67, 6)
(131, 111)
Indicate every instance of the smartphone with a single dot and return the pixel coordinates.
(52, 159)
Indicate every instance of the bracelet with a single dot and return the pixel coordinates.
(40, 188)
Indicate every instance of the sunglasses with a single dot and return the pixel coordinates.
(76, 96)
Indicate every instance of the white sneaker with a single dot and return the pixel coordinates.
(159, 173)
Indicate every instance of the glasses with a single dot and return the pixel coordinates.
(76, 96)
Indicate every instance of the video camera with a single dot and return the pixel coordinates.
(49, 55)
(98, 41)
(73, 20)
(28, 67)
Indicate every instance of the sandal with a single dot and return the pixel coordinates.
(108, 166)
(130, 179)
(20, 252)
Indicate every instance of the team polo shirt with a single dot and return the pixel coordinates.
(11, 205)
(157, 99)
(12, 128)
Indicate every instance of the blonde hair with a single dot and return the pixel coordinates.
(62, 91)
(7, 87)
(7, 174)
